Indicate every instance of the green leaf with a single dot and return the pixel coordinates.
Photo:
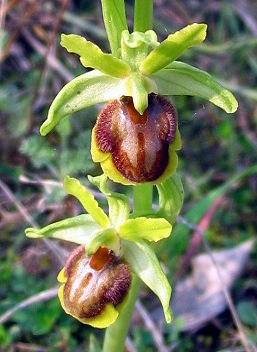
(75, 188)
(247, 312)
(39, 319)
(86, 90)
(145, 264)
(150, 229)
(145, 22)
(94, 344)
(92, 56)
(39, 150)
(119, 206)
(172, 47)
(183, 79)
(79, 229)
(171, 196)
(115, 22)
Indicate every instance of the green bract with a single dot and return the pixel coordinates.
(138, 66)
(122, 232)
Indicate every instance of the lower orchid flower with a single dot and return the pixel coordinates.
(97, 276)
(93, 287)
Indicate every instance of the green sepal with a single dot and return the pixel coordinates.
(150, 229)
(119, 206)
(106, 238)
(83, 91)
(92, 56)
(80, 229)
(172, 47)
(182, 79)
(171, 196)
(75, 188)
(145, 264)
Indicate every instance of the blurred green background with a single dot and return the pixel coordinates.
(217, 147)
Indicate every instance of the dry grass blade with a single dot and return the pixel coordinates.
(130, 346)
(24, 18)
(157, 336)
(58, 251)
(52, 61)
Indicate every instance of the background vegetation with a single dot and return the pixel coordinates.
(216, 148)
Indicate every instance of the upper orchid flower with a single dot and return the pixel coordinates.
(137, 118)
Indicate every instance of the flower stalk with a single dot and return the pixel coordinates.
(115, 335)
(143, 15)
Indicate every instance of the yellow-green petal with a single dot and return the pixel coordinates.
(172, 47)
(75, 188)
(150, 229)
(92, 56)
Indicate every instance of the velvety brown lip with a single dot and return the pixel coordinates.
(93, 282)
(139, 143)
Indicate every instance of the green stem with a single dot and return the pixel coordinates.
(143, 195)
(115, 22)
(143, 15)
(115, 335)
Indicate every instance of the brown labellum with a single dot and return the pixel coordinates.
(94, 281)
(139, 144)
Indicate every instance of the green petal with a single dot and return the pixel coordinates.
(150, 229)
(171, 195)
(86, 90)
(119, 206)
(172, 47)
(92, 56)
(145, 264)
(183, 79)
(79, 229)
(75, 188)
